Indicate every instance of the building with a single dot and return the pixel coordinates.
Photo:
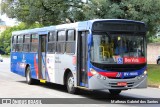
(3, 26)
(153, 51)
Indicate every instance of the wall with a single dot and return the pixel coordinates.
(153, 50)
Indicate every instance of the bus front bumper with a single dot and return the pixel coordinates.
(102, 83)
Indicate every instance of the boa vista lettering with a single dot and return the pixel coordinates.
(133, 60)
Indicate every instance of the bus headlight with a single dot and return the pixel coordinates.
(93, 71)
(145, 72)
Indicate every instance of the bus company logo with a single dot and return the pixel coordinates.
(133, 60)
(119, 75)
(23, 58)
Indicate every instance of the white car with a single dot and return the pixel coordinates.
(1, 59)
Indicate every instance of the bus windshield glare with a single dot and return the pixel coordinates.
(108, 49)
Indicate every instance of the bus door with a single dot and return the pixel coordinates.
(42, 56)
(82, 59)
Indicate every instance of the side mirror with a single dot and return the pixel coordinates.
(90, 39)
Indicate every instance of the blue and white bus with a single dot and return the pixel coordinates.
(97, 54)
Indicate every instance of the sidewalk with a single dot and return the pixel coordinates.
(154, 86)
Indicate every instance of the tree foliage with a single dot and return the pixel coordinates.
(141, 10)
(46, 12)
(5, 37)
(51, 12)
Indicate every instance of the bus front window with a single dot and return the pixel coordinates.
(100, 50)
(107, 48)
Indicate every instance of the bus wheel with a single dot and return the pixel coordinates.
(70, 84)
(115, 92)
(29, 80)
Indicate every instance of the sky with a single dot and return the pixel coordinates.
(8, 21)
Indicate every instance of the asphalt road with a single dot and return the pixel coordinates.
(14, 86)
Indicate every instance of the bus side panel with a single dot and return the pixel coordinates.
(32, 60)
(57, 65)
(13, 63)
(51, 67)
(17, 65)
(65, 62)
(19, 61)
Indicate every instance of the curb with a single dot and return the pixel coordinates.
(154, 86)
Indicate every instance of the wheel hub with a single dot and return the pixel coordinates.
(70, 82)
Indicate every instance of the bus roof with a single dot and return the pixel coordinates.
(83, 25)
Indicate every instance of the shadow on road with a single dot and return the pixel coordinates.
(93, 97)
(102, 95)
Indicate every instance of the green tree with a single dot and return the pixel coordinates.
(51, 12)
(5, 37)
(141, 10)
(46, 12)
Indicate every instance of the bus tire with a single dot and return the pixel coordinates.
(115, 92)
(70, 84)
(29, 80)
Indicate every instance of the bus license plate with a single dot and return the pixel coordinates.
(121, 84)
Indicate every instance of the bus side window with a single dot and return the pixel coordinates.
(61, 41)
(70, 43)
(19, 43)
(52, 41)
(34, 43)
(14, 41)
(26, 45)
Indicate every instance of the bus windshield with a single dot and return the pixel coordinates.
(108, 49)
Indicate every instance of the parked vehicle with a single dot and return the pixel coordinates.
(158, 60)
